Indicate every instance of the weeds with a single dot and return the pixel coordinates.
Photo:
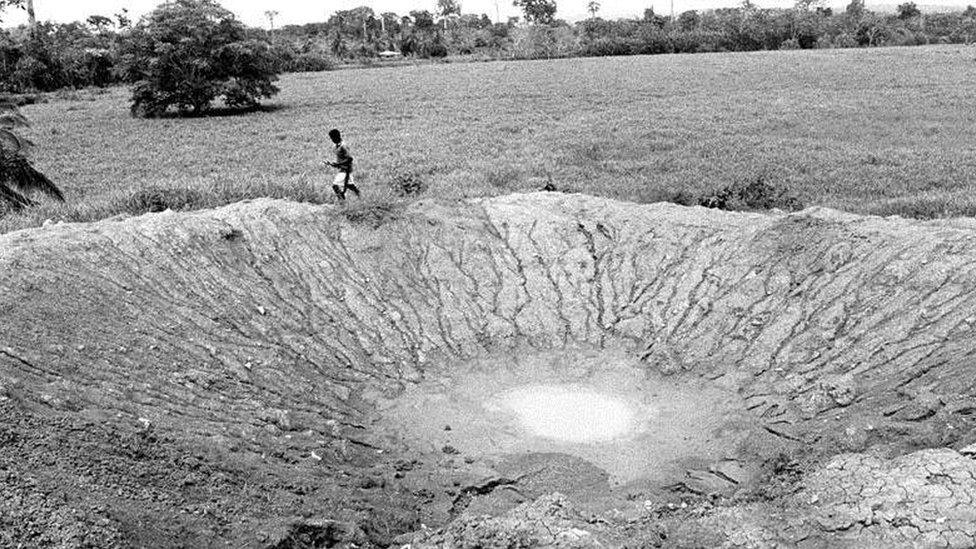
(156, 199)
(588, 154)
(928, 206)
(372, 211)
(779, 476)
(503, 177)
(407, 181)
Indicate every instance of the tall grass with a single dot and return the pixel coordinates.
(872, 131)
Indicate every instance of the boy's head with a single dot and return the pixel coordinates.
(335, 136)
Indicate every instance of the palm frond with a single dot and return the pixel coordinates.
(13, 119)
(13, 199)
(18, 171)
(18, 178)
(11, 142)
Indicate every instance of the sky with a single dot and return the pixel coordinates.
(305, 11)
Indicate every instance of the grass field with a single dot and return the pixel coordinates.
(886, 131)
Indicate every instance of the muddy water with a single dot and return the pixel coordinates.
(598, 405)
(569, 413)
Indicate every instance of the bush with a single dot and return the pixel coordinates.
(38, 68)
(187, 53)
(790, 44)
(503, 177)
(309, 62)
(405, 181)
(902, 37)
(543, 42)
(845, 40)
(758, 194)
(605, 46)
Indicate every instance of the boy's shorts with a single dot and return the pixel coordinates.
(342, 179)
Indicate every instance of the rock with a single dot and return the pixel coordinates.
(841, 389)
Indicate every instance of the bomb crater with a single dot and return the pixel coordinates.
(508, 367)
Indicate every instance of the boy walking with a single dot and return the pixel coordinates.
(343, 179)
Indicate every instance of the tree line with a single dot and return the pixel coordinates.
(97, 51)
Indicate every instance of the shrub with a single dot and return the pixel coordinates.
(309, 62)
(372, 212)
(790, 44)
(604, 46)
(543, 42)
(757, 194)
(902, 37)
(187, 53)
(37, 68)
(406, 181)
(845, 40)
(503, 177)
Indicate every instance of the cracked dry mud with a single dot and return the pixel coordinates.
(269, 374)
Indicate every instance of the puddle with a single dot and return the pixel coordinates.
(600, 406)
(567, 413)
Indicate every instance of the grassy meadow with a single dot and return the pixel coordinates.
(884, 131)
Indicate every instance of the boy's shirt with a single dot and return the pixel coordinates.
(343, 158)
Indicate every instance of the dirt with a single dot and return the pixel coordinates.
(272, 374)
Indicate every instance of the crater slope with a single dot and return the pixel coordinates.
(271, 374)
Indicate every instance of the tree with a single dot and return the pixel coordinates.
(658, 21)
(806, 5)
(187, 53)
(422, 19)
(689, 20)
(18, 177)
(123, 19)
(271, 14)
(27, 5)
(537, 11)
(593, 7)
(447, 9)
(99, 22)
(908, 10)
(855, 10)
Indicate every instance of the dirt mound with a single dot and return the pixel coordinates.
(272, 374)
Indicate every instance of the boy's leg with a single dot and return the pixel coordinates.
(338, 186)
(350, 186)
